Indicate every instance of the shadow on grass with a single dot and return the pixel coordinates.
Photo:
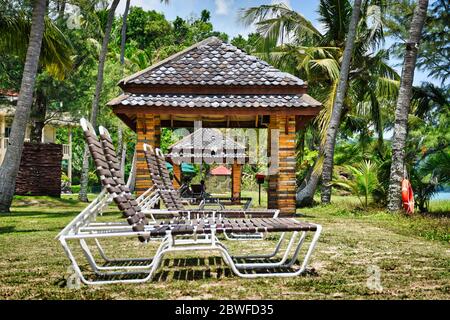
(59, 214)
(184, 269)
(25, 201)
(12, 229)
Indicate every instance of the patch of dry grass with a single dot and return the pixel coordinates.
(412, 265)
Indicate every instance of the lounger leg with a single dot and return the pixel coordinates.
(281, 263)
(311, 248)
(256, 265)
(79, 274)
(108, 259)
(264, 256)
(98, 269)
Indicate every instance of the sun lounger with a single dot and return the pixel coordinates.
(171, 198)
(178, 234)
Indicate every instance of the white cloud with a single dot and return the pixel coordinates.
(223, 6)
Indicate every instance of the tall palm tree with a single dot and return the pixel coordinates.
(82, 196)
(292, 43)
(11, 162)
(55, 55)
(335, 120)
(403, 105)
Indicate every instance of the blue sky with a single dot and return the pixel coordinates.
(224, 15)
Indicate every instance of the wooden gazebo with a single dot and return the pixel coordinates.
(208, 145)
(220, 85)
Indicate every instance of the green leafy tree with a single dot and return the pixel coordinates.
(434, 52)
(11, 162)
(316, 57)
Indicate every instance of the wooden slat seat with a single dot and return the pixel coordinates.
(204, 226)
(120, 193)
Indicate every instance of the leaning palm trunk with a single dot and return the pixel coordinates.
(82, 196)
(335, 120)
(11, 163)
(403, 103)
(305, 195)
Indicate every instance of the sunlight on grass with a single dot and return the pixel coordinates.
(411, 252)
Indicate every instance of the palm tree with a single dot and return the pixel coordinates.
(56, 48)
(335, 121)
(55, 58)
(82, 196)
(11, 162)
(403, 105)
(316, 57)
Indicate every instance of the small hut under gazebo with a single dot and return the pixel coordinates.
(211, 146)
(223, 87)
(220, 171)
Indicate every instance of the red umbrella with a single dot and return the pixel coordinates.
(221, 171)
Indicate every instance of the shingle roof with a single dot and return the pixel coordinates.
(213, 62)
(207, 145)
(216, 101)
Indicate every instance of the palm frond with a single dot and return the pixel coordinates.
(329, 66)
(278, 22)
(56, 49)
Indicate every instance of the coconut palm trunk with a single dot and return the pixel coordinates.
(82, 196)
(123, 39)
(335, 120)
(403, 104)
(305, 196)
(11, 162)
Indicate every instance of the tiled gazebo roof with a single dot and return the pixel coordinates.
(218, 101)
(213, 62)
(207, 145)
(211, 78)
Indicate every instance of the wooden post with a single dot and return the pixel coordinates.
(282, 181)
(272, 134)
(236, 180)
(176, 175)
(148, 131)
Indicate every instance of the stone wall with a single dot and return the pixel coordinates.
(40, 170)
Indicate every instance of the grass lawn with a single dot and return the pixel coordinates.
(412, 255)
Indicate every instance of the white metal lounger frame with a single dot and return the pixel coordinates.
(84, 227)
(170, 243)
(86, 222)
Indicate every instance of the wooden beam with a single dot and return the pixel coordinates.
(176, 175)
(281, 111)
(127, 120)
